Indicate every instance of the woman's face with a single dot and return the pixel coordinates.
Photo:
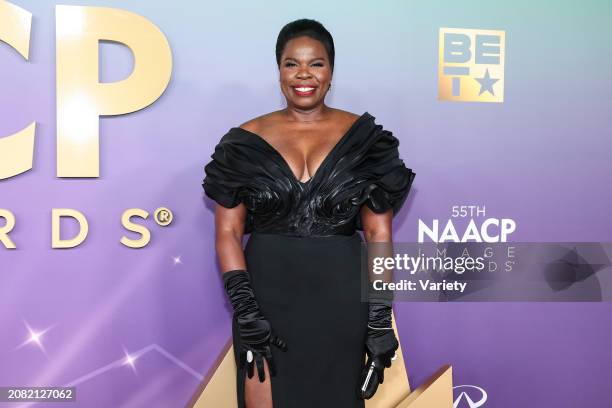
(305, 72)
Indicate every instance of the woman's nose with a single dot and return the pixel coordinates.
(303, 73)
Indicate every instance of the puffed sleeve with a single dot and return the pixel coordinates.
(389, 178)
(223, 176)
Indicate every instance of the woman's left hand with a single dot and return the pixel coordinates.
(381, 345)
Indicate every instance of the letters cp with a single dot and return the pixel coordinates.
(81, 99)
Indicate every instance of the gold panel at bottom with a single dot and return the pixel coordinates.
(219, 387)
(437, 392)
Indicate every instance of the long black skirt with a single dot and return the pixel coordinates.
(309, 289)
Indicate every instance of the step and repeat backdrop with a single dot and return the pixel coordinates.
(109, 110)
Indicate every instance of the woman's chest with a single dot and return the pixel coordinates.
(302, 152)
(319, 207)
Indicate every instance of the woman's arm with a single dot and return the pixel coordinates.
(255, 331)
(376, 227)
(380, 340)
(229, 230)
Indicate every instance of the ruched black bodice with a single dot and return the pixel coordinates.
(364, 167)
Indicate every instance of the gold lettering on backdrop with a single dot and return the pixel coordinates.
(81, 99)
(139, 229)
(9, 217)
(8, 221)
(56, 215)
(16, 150)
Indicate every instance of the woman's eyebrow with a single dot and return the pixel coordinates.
(295, 59)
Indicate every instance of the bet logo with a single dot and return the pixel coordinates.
(471, 65)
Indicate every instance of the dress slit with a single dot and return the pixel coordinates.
(309, 289)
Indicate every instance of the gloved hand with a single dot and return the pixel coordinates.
(255, 331)
(381, 345)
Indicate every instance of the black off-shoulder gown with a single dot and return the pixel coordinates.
(304, 253)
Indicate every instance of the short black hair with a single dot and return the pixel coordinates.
(308, 28)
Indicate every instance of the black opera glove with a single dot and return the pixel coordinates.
(381, 345)
(255, 331)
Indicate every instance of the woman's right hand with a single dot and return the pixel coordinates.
(256, 337)
(255, 331)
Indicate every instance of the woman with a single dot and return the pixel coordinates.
(302, 181)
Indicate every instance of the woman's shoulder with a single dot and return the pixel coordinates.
(345, 115)
(270, 125)
(270, 119)
(260, 122)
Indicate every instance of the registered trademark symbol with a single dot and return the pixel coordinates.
(163, 216)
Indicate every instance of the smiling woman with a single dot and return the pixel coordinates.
(305, 71)
(303, 181)
(301, 49)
